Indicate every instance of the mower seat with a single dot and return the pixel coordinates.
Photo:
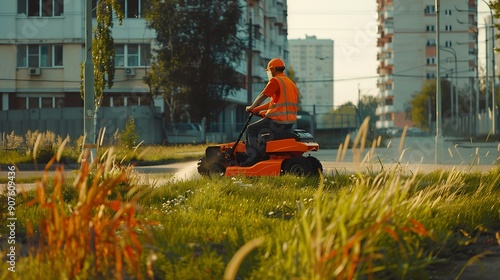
(284, 134)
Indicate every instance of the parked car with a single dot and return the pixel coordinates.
(415, 131)
(185, 133)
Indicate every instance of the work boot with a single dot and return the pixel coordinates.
(253, 156)
(251, 161)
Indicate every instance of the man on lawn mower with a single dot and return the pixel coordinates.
(278, 115)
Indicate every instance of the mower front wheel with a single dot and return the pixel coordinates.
(202, 168)
(299, 166)
(210, 169)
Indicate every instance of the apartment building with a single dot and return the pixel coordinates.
(312, 61)
(408, 54)
(42, 48)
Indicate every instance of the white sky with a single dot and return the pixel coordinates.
(352, 25)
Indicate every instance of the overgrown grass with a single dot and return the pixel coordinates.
(141, 155)
(388, 225)
(384, 225)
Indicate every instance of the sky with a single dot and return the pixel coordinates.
(353, 28)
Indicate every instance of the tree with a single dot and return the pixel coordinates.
(423, 105)
(198, 51)
(103, 52)
(129, 136)
(366, 108)
(343, 117)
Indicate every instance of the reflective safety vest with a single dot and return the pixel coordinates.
(284, 106)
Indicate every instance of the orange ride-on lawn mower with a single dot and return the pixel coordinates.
(283, 155)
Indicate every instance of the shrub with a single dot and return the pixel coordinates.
(11, 141)
(129, 136)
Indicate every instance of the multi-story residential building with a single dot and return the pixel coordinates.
(408, 53)
(42, 48)
(312, 62)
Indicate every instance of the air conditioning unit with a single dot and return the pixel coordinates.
(130, 71)
(34, 71)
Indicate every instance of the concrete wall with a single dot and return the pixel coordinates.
(69, 121)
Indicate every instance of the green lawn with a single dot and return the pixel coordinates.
(385, 226)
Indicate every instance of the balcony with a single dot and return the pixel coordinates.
(389, 61)
(382, 110)
(388, 14)
(384, 124)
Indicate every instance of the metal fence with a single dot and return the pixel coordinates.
(69, 122)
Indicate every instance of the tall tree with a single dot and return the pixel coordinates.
(423, 105)
(366, 108)
(103, 52)
(198, 51)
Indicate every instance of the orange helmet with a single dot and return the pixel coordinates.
(275, 62)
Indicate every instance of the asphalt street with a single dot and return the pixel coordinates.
(415, 154)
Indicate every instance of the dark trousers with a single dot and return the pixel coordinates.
(254, 130)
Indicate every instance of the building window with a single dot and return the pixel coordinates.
(431, 60)
(132, 55)
(37, 102)
(447, 27)
(40, 8)
(430, 9)
(448, 44)
(447, 12)
(134, 8)
(39, 56)
(431, 42)
(430, 75)
(429, 28)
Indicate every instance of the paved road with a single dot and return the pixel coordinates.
(414, 155)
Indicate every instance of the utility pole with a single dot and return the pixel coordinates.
(438, 90)
(89, 95)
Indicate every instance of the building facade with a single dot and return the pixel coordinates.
(408, 54)
(312, 62)
(42, 48)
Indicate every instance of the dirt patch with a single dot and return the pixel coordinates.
(479, 260)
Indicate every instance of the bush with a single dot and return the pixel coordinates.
(129, 136)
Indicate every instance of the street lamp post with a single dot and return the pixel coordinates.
(438, 90)
(89, 109)
(473, 127)
(454, 97)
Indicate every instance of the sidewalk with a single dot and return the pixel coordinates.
(352, 167)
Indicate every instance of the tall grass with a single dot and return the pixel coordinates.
(96, 233)
(385, 225)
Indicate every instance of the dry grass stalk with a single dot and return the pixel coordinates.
(97, 229)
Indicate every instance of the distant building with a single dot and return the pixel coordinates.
(42, 48)
(312, 62)
(407, 53)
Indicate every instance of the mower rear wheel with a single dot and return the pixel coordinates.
(316, 164)
(299, 166)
